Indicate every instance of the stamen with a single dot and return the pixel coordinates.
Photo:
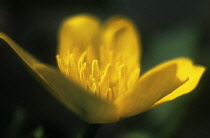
(104, 84)
(95, 70)
(81, 60)
(93, 88)
(73, 68)
(98, 79)
(110, 95)
(90, 54)
(61, 66)
(83, 75)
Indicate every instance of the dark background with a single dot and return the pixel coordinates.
(168, 29)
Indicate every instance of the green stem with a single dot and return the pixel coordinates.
(88, 130)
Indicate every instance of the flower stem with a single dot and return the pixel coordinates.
(88, 130)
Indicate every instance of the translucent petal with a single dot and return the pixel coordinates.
(87, 106)
(152, 86)
(121, 38)
(194, 74)
(78, 32)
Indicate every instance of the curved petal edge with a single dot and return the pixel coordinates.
(151, 87)
(195, 74)
(89, 107)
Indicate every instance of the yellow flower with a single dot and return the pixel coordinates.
(98, 76)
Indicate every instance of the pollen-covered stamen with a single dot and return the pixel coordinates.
(68, 69)
(94, 88)
(104, 84)
(83, 75)
(105, 79)
(72, 70)
(81, 60)
(110, 95)
(95, 70)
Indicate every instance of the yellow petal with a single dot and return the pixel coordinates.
(77, 32)
(87, 106)
(120, 38)
(194, 73)
(152, 86)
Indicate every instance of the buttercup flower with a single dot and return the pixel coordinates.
(98, 71)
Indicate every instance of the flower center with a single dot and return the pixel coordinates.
(107, 80)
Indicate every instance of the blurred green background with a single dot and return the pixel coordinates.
(168, 29)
